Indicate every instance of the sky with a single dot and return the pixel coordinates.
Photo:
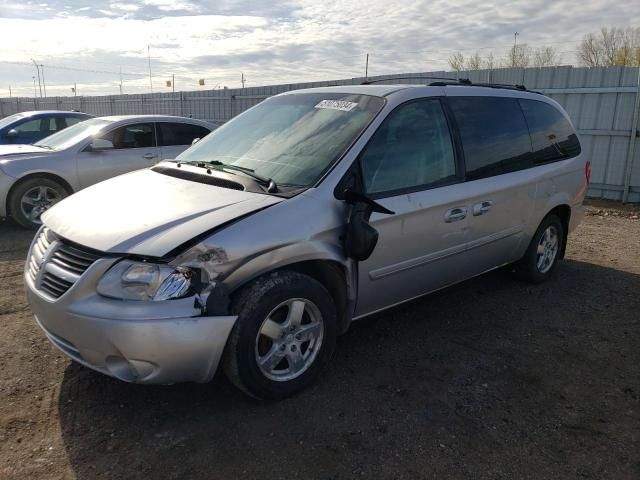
(88, 43)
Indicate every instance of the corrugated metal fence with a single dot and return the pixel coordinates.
(604, 104)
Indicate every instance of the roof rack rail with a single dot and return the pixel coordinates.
(453, 80)
(467, 82)
(444, 81)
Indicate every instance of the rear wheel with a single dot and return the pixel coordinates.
(284, 336)
(32, 197)
(543, 252)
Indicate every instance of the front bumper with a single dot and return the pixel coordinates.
(5, 185)
(141, 342)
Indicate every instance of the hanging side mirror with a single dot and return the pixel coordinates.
(360, 237)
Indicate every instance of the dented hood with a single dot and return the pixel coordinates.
(148, 213)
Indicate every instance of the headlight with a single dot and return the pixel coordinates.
(130, 280)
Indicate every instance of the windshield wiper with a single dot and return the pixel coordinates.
(266, 182)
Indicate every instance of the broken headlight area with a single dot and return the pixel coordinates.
(132, 280)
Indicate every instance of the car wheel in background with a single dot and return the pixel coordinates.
(31, 197)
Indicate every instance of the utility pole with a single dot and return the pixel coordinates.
(149, 58)
(242, 79)
(366, 69)
(120, 80)
(38, 71)
(75, 89)
(10, 89)
(44, 84)
(515, 49)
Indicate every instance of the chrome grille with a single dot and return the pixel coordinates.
(55, 265)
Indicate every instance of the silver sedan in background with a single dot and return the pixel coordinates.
(34, 177)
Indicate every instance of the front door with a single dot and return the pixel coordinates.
(134, 148)
(410, 167)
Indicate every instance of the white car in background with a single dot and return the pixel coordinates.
(34, 177)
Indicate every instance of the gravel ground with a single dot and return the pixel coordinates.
(489, 379)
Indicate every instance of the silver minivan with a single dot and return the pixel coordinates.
(256, 247)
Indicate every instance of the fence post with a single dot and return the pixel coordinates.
(632, 144)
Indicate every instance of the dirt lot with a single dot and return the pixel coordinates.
(489, 379)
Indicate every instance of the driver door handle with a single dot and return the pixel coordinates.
(455, 214)
(150, 156)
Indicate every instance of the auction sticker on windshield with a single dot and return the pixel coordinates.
(337, 105)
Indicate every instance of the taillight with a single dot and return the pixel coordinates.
(587, 171)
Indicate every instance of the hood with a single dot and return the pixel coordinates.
(148, 213)
(21, 150)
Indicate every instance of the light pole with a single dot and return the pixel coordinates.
(366, 69)
(149, 58)
(35, 92)
(44, 84)
(38, 71)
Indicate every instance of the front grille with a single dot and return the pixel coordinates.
(54, 285)
(55, 265)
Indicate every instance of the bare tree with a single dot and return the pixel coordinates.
(490, 62)
(611, 46)
(546, 57)
(589, 52)
(519, 56)
(474, 62)
(456, 61)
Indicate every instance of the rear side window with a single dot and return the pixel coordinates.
(73, 120)
(494, 134)
(179, 133)
(552, 136)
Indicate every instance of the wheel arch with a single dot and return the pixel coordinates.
(332, 274)
(563, 211)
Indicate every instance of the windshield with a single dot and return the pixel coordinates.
(292, 139)
(10, 119)
(73, 134)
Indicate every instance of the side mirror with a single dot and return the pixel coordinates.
(13, 133)
(100, 144)
(360, 237)
(195, 140)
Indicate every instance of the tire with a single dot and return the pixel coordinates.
(266, 334)
(531, 267)
(41, 192)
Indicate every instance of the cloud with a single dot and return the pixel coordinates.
(274, 42)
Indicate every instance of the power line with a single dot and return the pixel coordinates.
(74, 69)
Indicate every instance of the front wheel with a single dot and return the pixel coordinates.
(32, 197)
(543, 252)
(284, 335)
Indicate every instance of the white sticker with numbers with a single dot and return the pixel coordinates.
(337, 105)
